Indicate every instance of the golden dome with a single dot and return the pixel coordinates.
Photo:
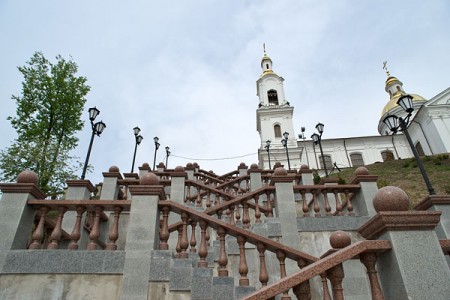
(390, 80)
(393, 102)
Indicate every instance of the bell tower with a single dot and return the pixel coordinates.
(274, 114)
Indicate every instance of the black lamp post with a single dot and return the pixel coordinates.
(303, 137)
(97, 129)
(139, 139)
(285, 143)
(155, 139)
(395, 123)
(167, 156)
(267, 147)
(317, 138)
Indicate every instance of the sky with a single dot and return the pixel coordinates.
(185, 71)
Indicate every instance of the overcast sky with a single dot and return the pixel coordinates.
(185, 71)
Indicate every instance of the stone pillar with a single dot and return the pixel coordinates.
(144, 169)
(285, 208)
(79, 190)
(110, 188)
(242, 168)
(177, 186)
(255, 177)
(190, 169)
(142, 236)
(415, 267)
(307, 175)
(16, 218)
(438, 203)
(362, 202)
(160, 167)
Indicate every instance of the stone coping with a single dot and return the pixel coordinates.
(330, 223)
(131, 175)
(431, 200)
(63, 262)
(399, 221)
(112, 174)
(146, 190)
(364, 178)
(22, 188)
(81, 183)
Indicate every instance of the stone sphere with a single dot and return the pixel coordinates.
(149, 179)
(179, 169)
(254, 166)
(304, 167)
(189, 165)
(361, 171)
(390, 198)
(27, 177)
(145, 166)
(340, 239)
(242, 165)
(114, 169)
(280, 171)
(195, 165)
(161, 165)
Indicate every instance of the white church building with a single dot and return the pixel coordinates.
(429, 128)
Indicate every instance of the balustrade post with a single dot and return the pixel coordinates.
(305, 207)
(326, 292)
(336, 275)
(184, 244)
(257, 211)
(263, 275)
(316, 206)
(369, 260)
(178, 247)
(56, 235)
(203, 250)
(223, 259)
(303, 290)
(232, 221)
(177, 185)
(193, 241)
(110, 187)
(243, 268)
(338, 203)
(113, 234)
(246, 215)
(269, 204)
(255, 177)
(208, 199)
(199, 198)
(238, 214)
(349, 204)
(362, 199)
(76, 231)
(327, 203)
(38, 233)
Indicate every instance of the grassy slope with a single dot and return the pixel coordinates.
(406, 175)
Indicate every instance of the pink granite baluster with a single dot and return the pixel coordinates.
(305, 207)
(349, 204)
(113, 233)
(203, 250)
(238, 214)
(232, 221)
(223, 259)
(95, 230)
(246, 215)
(263, 275)
(302, 290)
(199, 198)
(208, 199)
(76, 231)
(326, 292)
(184, 244)
(164, 234)
(369, 260)
(178, 247)
(257, 211)
(336, 275)
(338, 203)
(56, 235)
(243, 268)
(269, 205)
(281, 259)
(315, 204)
(38, 233)
(193, 241)
(327, 203)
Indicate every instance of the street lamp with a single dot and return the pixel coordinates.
(155, 139)
(303, 137)
(139, 139)
(267, 147)
(395, 124)
(285, 142)
(317, 138)
(97, 129)
(167, 156)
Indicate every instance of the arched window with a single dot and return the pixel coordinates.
(387, 155)
(420, 149)
(277, 130)
(328, 162)
(357, 159)
(273, 97)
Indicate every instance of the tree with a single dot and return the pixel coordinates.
(48, 116)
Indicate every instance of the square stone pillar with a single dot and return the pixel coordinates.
(110, 188)
(160, 167)
(177, 185)
(362, 201)
(79, 189)
(285, 207)
(438, 203)
(144, 169)
(190, 169)
(242, 168)
(415, 267)
(307, 176)
(16, 217)
(142, 236)
(255, 177)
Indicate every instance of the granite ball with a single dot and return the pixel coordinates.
(149, 179)
(27, 177)
(361, 171)
(304, 167)
(390, 198)
(340, 239)
(254, 166)
(114, 169)
(179, 169)
(280, 171)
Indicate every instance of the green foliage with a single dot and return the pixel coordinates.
(48, 115)
(445, 156)
(341, 180)
(316, 177)
(381, 183)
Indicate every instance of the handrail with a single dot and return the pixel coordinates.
(236, 231)
(319, 267)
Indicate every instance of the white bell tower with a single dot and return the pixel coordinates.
(273, 116)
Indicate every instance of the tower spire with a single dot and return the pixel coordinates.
(264, 47)
(385, 68)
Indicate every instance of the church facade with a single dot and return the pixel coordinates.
(429, 128)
